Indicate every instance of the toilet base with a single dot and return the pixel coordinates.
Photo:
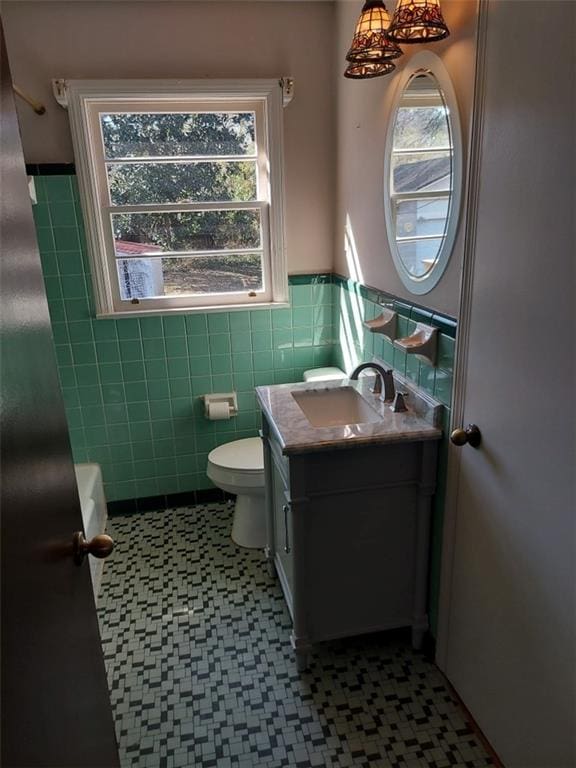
(249, 527)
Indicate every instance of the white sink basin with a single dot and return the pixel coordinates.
(335, 407)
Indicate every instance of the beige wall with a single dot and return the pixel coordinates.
(363, 115)
(334, 129)
(192, 39)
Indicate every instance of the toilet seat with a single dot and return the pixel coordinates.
(246, 455)
(240, 464)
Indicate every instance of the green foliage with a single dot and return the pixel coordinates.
(190, 230)
(189, 136)
(418, 127)
(175, 134)
(141, 183)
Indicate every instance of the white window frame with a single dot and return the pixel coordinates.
(425, 62)
(88, 98)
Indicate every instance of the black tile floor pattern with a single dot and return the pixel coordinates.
(201, 671)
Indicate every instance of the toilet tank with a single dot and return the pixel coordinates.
(329, 373)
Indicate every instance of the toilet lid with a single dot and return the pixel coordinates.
(246, 455)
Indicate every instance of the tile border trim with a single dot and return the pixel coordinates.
(167, 501)
(403, 307)
(50, 169)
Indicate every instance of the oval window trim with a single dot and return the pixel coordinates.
(426, 62)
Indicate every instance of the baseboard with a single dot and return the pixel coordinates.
(167, 501)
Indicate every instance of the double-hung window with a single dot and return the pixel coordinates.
(182, 191)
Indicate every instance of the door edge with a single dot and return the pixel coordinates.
(461, 357)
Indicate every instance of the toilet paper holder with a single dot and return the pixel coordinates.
(221, 397)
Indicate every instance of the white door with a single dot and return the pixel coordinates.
(507, 640)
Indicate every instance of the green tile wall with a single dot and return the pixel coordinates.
(354, 303)
(132, 387)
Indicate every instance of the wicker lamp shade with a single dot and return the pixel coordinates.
(370, 42)
(363, 70)
(418, 21)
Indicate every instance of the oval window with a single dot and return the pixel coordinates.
(422, 175)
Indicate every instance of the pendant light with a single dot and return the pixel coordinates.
(363, 70)
(371, 51)
(418, 21)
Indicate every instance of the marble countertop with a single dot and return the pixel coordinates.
(297, 435)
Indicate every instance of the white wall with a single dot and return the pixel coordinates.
(363, 115)
(192, 39)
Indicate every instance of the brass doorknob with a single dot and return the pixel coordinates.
(470, 435)
(100, 546)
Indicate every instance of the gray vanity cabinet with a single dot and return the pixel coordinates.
(348, 536)
(279, 529)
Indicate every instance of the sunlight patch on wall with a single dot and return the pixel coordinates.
(349, 350)
(351, 327)
(353, 298)
(351, 253)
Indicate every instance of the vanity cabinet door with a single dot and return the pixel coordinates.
(284, 558)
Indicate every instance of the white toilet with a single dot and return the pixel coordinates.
(238, 468)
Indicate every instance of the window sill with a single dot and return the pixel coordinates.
(194, 310)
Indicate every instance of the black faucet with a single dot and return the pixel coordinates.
(384, 378)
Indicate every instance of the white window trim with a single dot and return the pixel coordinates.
(425, 62)
(81, 94)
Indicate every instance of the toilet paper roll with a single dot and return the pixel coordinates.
(218, 411)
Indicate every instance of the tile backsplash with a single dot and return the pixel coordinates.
(354, 303)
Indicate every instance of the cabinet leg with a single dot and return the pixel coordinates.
(269, 562)
(301, 652)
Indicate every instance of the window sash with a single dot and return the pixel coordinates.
(420, 99)
(399, 197)
(418, 238)
(117, 210)
(184, 159)
(106, 207)
(187, 255)
(420, 150)
(220, 293)
(250, 205)
(96, 108)
(223, 300)
(87, 99)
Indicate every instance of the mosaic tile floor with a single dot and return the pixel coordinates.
(201, 671)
